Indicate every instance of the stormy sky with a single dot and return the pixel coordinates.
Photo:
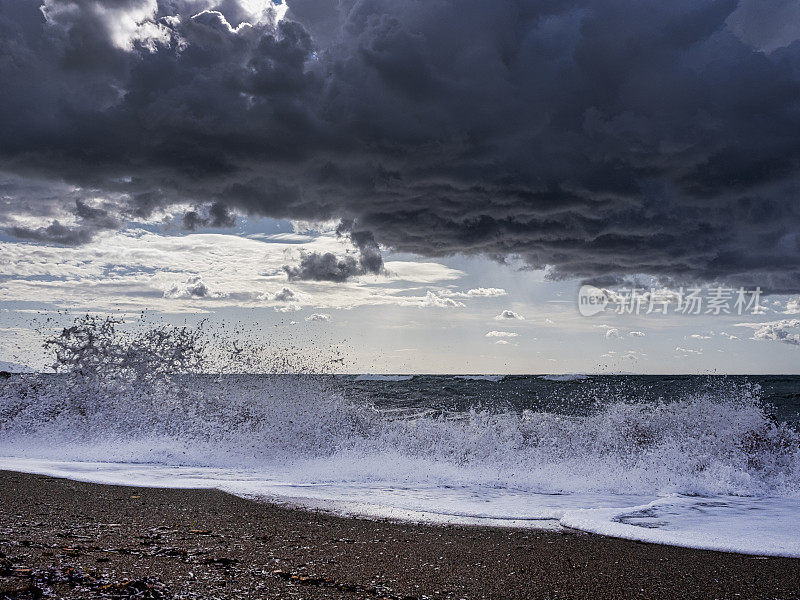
(569, 141)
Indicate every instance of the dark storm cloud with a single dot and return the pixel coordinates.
(604, 138)
(217, 216)
(89, 220)
(54, 233)
(318, 266)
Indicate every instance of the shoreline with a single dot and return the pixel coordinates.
(569, 520)
(85, 540)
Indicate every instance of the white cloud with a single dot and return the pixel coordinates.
(503, 342)
(612, 332)
(793, 306)
(288, 308)
(136, 270)
(502, 334)
(124, 23)
(636, 333)
(420, 272)
(318, 317)
(699, 336)
(509, 314)
(431, 300)
(477, 293)
(623, 356)
(306, 227)
(687, 351)
(487, 292)
(193, 287)
(785, 330)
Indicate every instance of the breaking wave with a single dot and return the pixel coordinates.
(145, 398)
(701, 445)
(389, 378)
(159, 397)
(567, 377)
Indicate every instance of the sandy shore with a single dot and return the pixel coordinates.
(64, 539)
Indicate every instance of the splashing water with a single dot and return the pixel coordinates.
(175, 406)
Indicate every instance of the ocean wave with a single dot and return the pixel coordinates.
(705, 444)
(389, 378)
(567, 377)
(304, 434)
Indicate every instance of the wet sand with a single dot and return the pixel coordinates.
(63, 539)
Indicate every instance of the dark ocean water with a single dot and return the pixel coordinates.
(569, 395)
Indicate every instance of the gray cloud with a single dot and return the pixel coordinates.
(216, 215)
(318, 317)
(605, 138)
(317, 266)
(766, 24)
(85, 220)
(370, 259)
(54, 233)
(193, 287)
(285, 295)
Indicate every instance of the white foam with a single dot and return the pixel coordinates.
(402, 500)
(566, 377)
(493, 378)
(761, 526)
